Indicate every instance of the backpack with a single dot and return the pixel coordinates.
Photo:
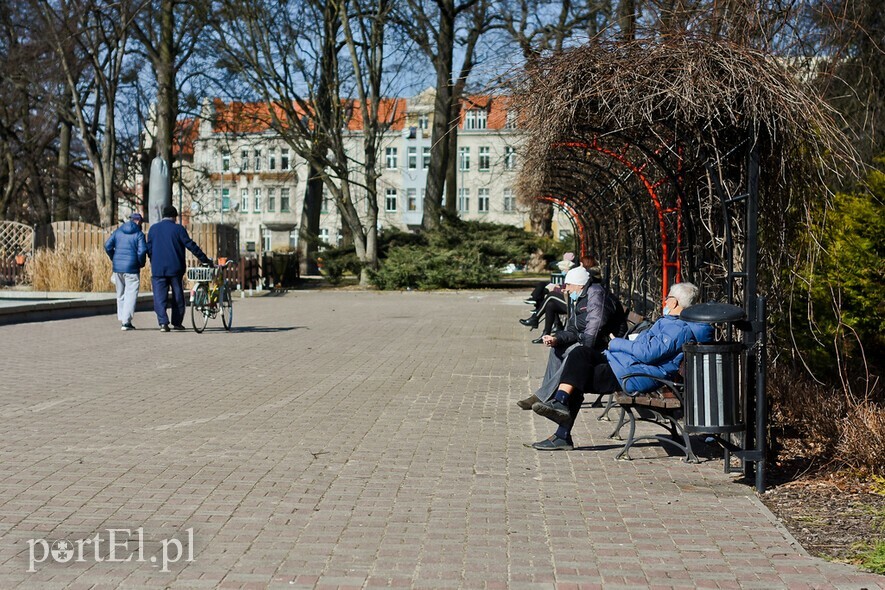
(616, 323)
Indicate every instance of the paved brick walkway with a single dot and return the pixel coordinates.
(347, 439)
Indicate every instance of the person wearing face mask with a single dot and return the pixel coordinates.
(589, 308)
(656, 351)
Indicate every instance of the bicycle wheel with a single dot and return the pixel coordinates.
(227, 306)
(199, 311)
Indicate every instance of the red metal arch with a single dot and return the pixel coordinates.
(651, 188)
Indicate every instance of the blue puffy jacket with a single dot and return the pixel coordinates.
(127, 248)
(165, 244)
(657, 351)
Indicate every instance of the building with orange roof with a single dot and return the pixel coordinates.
(236, 170)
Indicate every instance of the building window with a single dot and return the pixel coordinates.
(284, 200)
(425, 158)
(244, 160)
(225, 160)
(271, 200)
(256, 200)
(485, 158)
(509, 201)
(412, 155)
(411, 199)
(244, 200)
(509, 157)
(272, 160)
(390, 200)
(423, 121)
(265, 240)
(483, 198)
(464, 158)
(510, 120)
(324, 207)
(463, 200)
(293, 238)
(257, 160)
(476, 119)
(284, 159)
(225, 199)
(390, 153)
(324, 235)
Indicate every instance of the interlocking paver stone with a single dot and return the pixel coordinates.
(343, 439)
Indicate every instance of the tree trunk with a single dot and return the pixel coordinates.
(61, 207)
(166, 96)
(452, 184)
(627, 19)
(309, 228)
(442, 112)
(541, 218)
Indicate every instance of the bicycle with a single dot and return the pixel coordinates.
(210, 295)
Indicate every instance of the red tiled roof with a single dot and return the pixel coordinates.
(255, 117)
(186, 129)
(391, 110)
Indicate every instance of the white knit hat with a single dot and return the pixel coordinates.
(577, 276)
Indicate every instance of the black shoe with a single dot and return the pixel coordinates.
(127, 326)
(554, 443)
(164, 327)
(554, 410)
(179, 328)
(531, 322)
(538, 340)
(527, 403)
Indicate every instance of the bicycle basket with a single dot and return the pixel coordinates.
(200, 274)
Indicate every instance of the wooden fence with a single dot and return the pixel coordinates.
(72, 235)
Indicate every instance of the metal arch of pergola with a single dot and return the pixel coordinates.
(657, 207)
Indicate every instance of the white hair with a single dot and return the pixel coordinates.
(685, 293)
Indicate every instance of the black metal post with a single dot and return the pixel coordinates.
(754, 416)
(761, 396)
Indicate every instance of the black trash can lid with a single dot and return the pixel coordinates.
(712, 312)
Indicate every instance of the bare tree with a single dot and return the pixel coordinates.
(538, 29)
(99, 33)
(169, 32)
(275, 49)
(432, 26)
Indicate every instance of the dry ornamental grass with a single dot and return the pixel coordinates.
(80, 271)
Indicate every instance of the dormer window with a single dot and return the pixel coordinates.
(475, 119)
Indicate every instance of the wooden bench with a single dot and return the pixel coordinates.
(662, 407)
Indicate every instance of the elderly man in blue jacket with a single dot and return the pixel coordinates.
(166, 243)
(127, 249)
(657, 351)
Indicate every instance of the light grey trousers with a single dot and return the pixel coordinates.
(127, 292)
(554, 372)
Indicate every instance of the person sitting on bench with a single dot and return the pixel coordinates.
(656, 351)
(550, 301)
(587, 326)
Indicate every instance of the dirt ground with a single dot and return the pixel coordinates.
(830, 513)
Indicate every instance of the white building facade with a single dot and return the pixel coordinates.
(250, 178)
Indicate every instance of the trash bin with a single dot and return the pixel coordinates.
(714, 375)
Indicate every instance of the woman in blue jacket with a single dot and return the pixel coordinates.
(127, 250)
(657, 351)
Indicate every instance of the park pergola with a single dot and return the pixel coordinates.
(672, 157)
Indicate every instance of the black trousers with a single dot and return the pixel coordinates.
(588, 371)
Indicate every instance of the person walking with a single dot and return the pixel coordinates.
(127, 250)
(166, 243)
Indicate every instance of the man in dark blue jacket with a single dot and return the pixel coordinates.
(166, 243)
(127, 249)
(657, 351)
